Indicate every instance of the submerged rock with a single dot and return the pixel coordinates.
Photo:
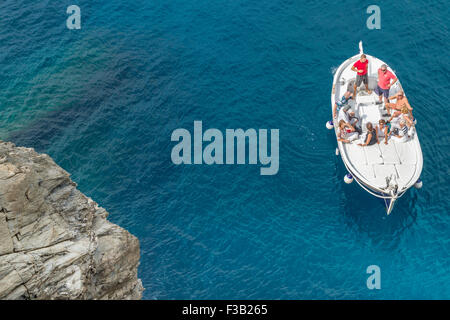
(56, 243)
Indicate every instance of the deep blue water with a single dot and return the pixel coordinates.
(104, 100)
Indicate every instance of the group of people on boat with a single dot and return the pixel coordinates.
(400, 124)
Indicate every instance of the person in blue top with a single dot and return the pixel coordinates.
(384, 130)
(341, 103)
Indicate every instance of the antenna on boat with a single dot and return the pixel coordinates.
(361, 50)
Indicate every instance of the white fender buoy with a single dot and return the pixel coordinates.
(418, 184)
(337, 151)
(348, 178)
(329, 125)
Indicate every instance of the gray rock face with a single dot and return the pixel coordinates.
(55, 243)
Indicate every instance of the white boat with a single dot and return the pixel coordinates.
(385, 171)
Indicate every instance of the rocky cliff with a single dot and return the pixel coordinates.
(55, 243)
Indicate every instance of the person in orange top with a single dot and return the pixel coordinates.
(360, 67)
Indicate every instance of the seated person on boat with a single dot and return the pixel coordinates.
(404, 114)
(346, 132)
(341, 103)
(349, 117)
(401, 104)
(371, 136)
(400, 134)
(384, 130)
(354, 121)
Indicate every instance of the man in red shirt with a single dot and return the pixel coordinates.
(360, 67)
(384, 82)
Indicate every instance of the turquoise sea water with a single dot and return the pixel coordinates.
(104, 100)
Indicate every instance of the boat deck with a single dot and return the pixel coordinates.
(373, 164)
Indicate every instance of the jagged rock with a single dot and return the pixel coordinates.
(56, 243)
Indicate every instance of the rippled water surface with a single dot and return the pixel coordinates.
(104, 100)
